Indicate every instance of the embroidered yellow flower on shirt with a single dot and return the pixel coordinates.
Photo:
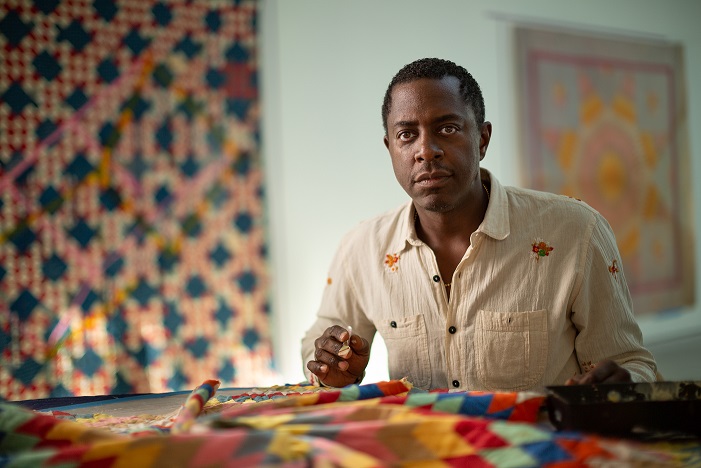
(540, 249)
(329, 281)
(391, 261)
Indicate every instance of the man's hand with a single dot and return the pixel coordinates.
(605, 371)
(339, 369)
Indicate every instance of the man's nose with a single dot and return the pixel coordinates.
(428, 148)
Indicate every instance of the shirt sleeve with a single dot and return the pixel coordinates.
(602, 310)
(340, 305)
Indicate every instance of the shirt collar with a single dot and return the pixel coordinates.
(495, 223)
(406, 234)
(496, 220)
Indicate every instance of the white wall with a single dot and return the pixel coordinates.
(325, 65)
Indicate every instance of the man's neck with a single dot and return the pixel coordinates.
(448, 234)
(434, 227)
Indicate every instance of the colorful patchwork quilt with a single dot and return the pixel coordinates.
(387, 423)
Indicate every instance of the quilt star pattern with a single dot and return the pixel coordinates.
(133, 253)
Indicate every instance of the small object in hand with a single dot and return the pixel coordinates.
(345, 350)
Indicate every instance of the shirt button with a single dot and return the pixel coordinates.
(436, 278)
(452, 330)
(393, 324)
(456, 384)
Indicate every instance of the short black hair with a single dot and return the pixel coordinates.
(435, 68)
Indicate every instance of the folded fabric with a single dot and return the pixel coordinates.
(193, 406)
(514, 406)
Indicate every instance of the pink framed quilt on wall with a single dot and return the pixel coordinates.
(603, 119)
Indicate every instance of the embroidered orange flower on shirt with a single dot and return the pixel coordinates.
(613, 269)
(587, 366)
(540, 249)
(391, 261)
(329, 281)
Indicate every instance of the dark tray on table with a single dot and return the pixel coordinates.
(627, 409)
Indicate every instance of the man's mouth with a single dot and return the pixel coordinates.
(431, 179)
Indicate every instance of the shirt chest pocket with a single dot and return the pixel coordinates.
(407, 349)
(511, 348)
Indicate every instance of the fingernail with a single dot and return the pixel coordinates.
(343, 365)
(324, 368)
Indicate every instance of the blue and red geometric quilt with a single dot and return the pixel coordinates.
(132, 238)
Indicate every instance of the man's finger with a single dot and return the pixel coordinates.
(338, 332)
(610, 372)
(319, 369)
(359, 345)
(617, 376)
(328, 343)
(332, 360)
(606, 371)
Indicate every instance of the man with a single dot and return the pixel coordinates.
(472, 285)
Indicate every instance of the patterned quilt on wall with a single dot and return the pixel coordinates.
(604, 119)
(132, 246)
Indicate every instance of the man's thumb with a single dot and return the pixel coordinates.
(359, 344)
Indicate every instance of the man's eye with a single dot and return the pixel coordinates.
(404, 136)
(449, 129)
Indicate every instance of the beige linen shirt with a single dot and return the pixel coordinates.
(538, 297)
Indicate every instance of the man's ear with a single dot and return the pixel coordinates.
(485, 136)
(386, 140)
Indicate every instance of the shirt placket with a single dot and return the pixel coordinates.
(429, 269)
(455, 338)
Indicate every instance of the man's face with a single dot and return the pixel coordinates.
(435, 144)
